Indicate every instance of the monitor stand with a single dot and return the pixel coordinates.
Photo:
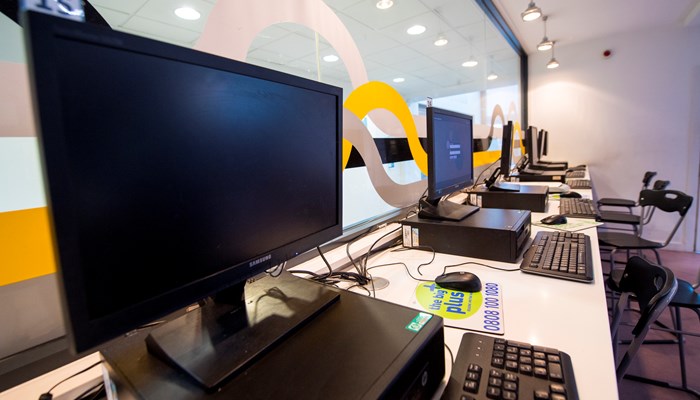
(445, 210)
(221, 338)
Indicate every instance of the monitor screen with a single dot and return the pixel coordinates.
(173, 174)
(545, 143)
(450, 158)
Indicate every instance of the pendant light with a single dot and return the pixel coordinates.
(531, 13)
(545, 44)
(471, 62)
(553, 63)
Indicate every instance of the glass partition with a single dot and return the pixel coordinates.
(385, 62)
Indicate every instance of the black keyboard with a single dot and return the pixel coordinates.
(577, 207)
(563, 255)
(575, 174)
(579, 183)
(494, 368)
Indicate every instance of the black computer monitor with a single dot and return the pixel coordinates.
(174, 175)
(545, 143)
(507, 150)
(506, 163)
(540, 143)
(450, 163)
(531, 145)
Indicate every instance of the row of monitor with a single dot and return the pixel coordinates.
(534, 153)
(174, 175)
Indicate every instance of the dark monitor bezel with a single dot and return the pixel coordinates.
(531, 144)
(506, 149)
(86, 333)
(435, 190)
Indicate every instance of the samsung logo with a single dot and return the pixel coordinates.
(260, 260)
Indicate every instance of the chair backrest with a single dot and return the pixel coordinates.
(647, 179)
(669, 201)
(660, 184)
(654, 287)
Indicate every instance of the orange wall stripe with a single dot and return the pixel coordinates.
(26, 248)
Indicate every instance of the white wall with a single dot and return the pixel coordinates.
(625, 114)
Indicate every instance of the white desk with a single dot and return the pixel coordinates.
(569, 316)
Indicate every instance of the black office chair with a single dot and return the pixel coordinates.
(628, 218)
(668, 201)
(653, 287)
(618, 202)
(686, 296)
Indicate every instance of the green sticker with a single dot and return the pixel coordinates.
(449, 304)
(419, 322)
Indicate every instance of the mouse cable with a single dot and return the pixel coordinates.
(421, 248)
(369, 251)
(404, 266)
(483, 265)
(449, 350)
(426, 248)
(49, 396)
(325, 278)
(93, 393)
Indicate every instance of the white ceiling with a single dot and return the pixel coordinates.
(572, 21)
(388, 52)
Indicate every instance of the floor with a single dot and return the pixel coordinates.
(660, 361)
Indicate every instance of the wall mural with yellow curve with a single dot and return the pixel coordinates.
(26, 248)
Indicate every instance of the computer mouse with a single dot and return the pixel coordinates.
(461, 280)
(581, 167)
(563, 188)
(555, 219)
(571, 194)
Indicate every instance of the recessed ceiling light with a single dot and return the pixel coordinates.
(415, 30)
(330, 58)
(384, 4)
(492, 76)
(440, 41)
(470, 63)
(398, 80)
(187, 13)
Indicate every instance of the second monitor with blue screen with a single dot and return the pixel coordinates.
(450, 163)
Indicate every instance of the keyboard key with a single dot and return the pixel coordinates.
(558, 255)
(539, 372)
(555, 373)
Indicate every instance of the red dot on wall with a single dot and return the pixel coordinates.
(607, 53)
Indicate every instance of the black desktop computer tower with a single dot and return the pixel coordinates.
(490, 233)
(529, 197)
(357, 348)
(545, 176)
